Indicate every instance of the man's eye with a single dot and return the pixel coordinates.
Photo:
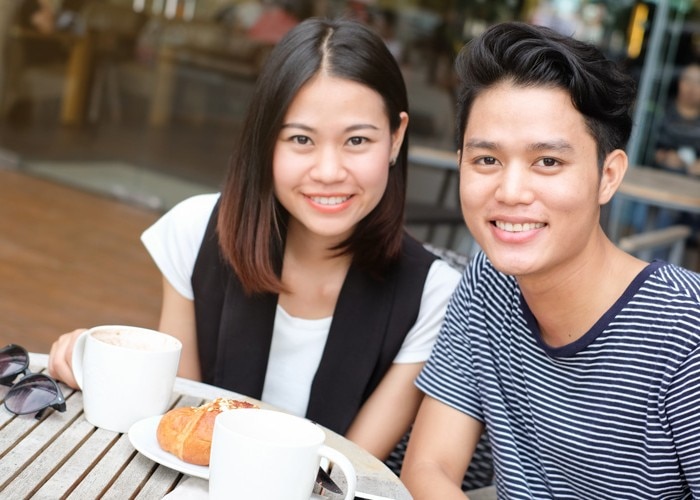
(549, 162)
(487, 160)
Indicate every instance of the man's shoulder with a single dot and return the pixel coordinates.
(674, 280)
(481, 269)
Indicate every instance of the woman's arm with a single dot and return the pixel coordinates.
(390, 410)
(177, 319)
(442, 443)
(388, 413)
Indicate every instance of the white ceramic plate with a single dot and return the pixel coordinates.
(143, 437)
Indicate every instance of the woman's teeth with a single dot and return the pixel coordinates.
(330, 200)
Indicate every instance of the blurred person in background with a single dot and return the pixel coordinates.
(678, 143)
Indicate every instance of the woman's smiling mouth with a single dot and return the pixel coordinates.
(329, 200)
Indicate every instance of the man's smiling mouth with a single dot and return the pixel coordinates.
(518, 227)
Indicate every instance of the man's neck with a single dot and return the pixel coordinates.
(566, 306)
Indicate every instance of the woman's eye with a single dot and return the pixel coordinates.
(301, 139)
(357, 141)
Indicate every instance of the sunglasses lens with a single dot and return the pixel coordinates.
(13, 361)
(34, 393)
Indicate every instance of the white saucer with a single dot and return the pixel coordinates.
(143, 437)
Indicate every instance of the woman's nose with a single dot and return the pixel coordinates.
(328, 167)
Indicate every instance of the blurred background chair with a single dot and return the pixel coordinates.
(433, 201)
(35, 56)
(666, 243)
(113, 30)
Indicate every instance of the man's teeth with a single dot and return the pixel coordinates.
(330, 200)
(516, 228)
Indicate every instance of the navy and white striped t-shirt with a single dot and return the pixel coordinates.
(614, 415)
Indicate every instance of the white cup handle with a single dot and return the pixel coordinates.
(77, 358)
(348, 470)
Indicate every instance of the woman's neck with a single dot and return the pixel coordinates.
(312, 274)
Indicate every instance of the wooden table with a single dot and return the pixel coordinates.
(64, 456)
(657, 189)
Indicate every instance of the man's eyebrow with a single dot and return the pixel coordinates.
(560, 145)
(480, 144)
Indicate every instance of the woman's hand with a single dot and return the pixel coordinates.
(60, 358)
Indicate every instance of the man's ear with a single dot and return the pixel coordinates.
(614, 169)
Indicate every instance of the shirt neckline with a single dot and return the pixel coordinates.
(594, 332)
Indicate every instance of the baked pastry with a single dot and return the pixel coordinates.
(186, 432)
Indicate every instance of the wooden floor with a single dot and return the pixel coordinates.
(70, 259)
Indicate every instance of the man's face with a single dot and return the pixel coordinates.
(529, 180)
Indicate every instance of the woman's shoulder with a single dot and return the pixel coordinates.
(195, 206)
(184, 223)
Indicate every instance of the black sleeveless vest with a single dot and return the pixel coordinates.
(370, 322)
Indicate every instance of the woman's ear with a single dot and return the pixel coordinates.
(398, 135)
(611, 177)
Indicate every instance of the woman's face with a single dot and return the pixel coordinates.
(332, 156)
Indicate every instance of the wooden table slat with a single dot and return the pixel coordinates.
(163, 481)
(132, 478)
(102, 474)
(83, 457)
(33, 434)
(34, 475)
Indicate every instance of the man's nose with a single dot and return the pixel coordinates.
(514, 186)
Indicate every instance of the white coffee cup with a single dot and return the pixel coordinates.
(126, 374)
(271, 455)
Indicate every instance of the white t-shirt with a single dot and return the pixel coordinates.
(297, 343)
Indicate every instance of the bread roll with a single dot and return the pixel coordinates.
(186, 432)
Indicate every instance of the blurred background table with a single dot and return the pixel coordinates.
(656, 189)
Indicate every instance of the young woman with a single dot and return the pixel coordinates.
(298, 285)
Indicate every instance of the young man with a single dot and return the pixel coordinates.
(580, 361)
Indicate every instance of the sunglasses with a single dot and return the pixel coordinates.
(34, 392)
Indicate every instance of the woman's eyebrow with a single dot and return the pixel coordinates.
(297, 125)
(351, 128)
